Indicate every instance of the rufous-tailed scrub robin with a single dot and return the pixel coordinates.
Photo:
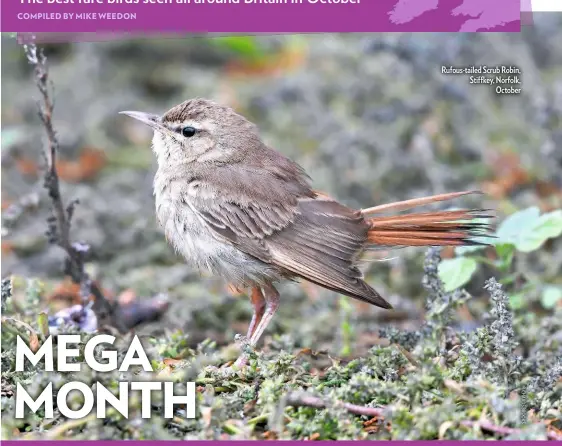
(234, 206)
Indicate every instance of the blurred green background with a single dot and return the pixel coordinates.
(370, 117)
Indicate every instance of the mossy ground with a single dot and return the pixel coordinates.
(500, 380)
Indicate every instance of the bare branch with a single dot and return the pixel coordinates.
(59, 224)
(302, 399)
(503, 430)
(306, 400)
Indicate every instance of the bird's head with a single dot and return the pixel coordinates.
(200, 130)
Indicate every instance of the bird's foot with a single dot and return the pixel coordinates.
(245, 349)
(227, 371)
(242, 361)
(241, 340)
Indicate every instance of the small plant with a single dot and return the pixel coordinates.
(246, 47)
(521, 233)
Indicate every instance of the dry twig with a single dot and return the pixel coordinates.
(301, 399)
(306, 400)
(502, 430)
(107, 313)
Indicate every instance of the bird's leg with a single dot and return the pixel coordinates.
(258, 302)
(271, 297)
(264, 309)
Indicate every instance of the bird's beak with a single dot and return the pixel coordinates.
(153, 121)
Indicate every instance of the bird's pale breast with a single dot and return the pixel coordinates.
(190, 236)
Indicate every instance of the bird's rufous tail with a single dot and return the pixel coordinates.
(443, 228)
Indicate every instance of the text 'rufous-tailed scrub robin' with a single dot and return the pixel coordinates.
(232, 205)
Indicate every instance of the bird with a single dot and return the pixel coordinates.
(233, 206)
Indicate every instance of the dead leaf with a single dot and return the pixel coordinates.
(373, 424)
(127, 297)
(34, 342)
(304, 351)
(26, 166)
(269, 435)
(171, 362)
(90, 162)
(166, 372)
(315, 436)
(7, 247)
(508, 174)
(373, 420)
(86, 167)
(67, 293)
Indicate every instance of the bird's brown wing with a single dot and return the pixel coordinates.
(312, 237)
(323, 245)
(245, 226)
(243, 203)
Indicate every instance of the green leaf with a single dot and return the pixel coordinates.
(527, 230)
(513, 226)
(551, 295)
(517, 301)
(505, 253)
(43, 323)
(505, 250)
(245, 46)
(454, 273)
(462, 250)
(547, 226)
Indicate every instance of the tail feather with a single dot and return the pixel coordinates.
(442, 228)
(416, 202)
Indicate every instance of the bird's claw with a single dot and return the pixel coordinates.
(242, 361)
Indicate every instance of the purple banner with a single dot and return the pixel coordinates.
(260, 16)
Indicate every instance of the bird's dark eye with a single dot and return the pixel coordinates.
(188, 131)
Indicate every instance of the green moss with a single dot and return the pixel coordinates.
(426, 387)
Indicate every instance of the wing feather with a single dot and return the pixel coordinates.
(314, 238)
